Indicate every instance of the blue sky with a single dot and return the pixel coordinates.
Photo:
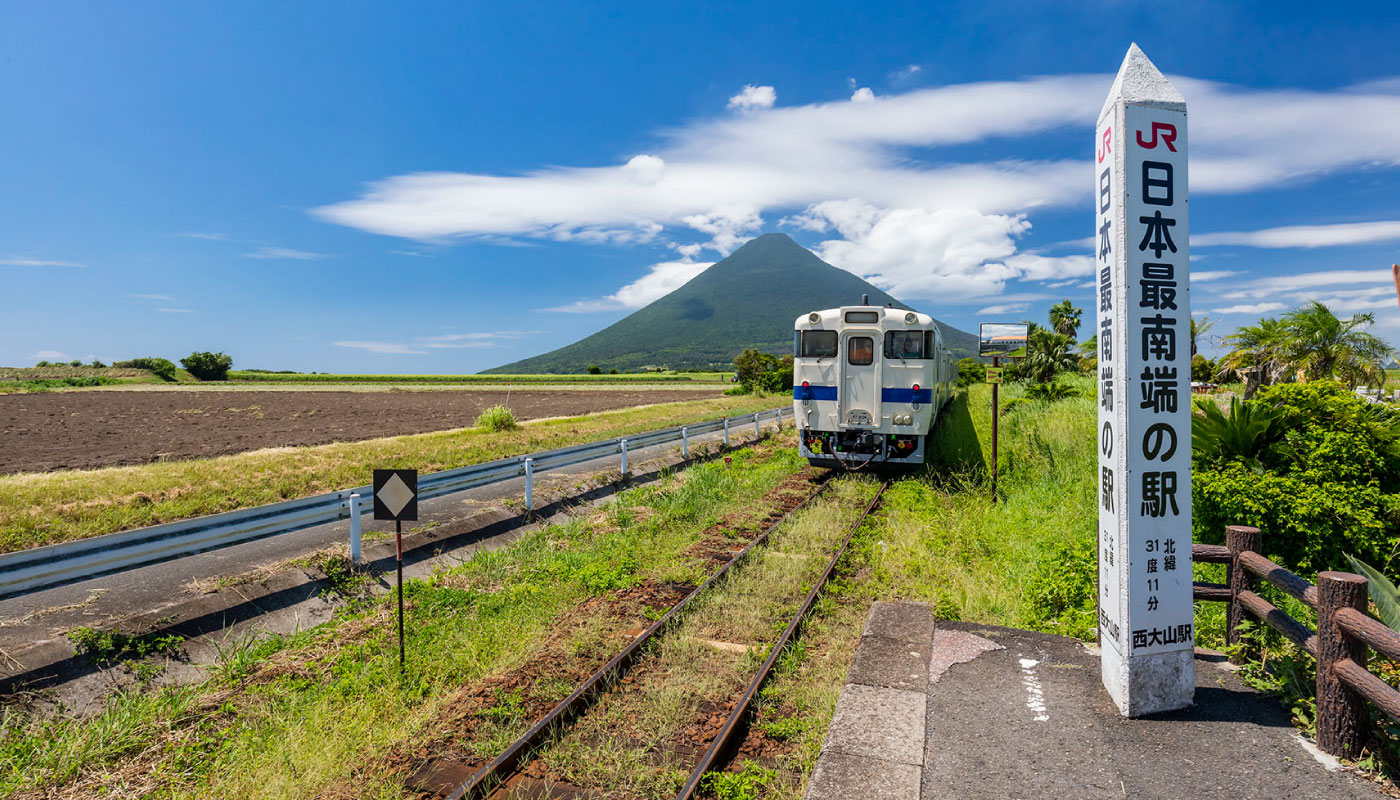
(447, 187)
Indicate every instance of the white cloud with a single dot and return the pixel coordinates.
(284, 252)
(468, 340)
(661, 280)
(25, 261)
(1048, 268)
(863, 95)
(1305, 235)
(754, 97)
(906, 73)
(176, 310)
(1256, 308)
(167, 298)
(384, 348)
(1212, 275)
(51, 355)
(213, 237)
(1301, 283)
(1008, 308)
(718, 178)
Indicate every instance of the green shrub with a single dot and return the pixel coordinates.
(1060, 597)
(970, 371)
(160, 367)
(594, 369)
(1050, 392)
(207, 366)
(497, 418)
(42, 364)
(746, 784)
(1321, 481)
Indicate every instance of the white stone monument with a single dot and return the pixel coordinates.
(1146, 627)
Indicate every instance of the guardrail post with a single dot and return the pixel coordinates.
(355, 528)
(529, 485)
(1340, 712)
(726, 431)
(1239, 539)
(755, 424)
(685, 442)
(624, 459)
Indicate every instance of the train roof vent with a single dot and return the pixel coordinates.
(865, 299)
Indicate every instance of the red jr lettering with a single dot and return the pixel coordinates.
(1168, 132)
(1107, 146)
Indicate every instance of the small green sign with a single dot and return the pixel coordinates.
(994, 374)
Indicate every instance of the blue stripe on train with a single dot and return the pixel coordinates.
(888, 395)
(801, 392)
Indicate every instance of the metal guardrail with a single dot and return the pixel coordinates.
(28, 571)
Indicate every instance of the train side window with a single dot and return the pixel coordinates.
(817, 344)
(860, 351)
(905, 344)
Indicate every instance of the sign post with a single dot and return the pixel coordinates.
(396, 498)
(1146, 615)
(1000, 340)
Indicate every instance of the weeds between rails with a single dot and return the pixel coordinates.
(507, 775)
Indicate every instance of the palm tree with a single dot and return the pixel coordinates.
(1199, 329)
(1260, 347)
(1064, 318)
(1047, 353)
(1320, 345)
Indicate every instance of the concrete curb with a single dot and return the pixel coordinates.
(875, 744)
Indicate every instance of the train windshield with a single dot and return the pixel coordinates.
(904, 344)
(860, 351)
(816, 344)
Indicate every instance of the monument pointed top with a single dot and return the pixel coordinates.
(1139, 82)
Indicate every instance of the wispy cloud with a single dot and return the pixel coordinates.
(1250, 308)
(1345, 233)
(906, 213)
(176, 310)
(905, 73)
(383, 348)
(213, 237)
(51, 355)
(25, 261)
(1006, 308)
(284, 252)
(661, 280)
(165, 297)
(1212, 275)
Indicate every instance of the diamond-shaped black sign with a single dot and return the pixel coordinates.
(396, 494)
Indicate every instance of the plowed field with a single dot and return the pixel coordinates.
(81, 430)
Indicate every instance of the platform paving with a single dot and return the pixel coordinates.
(1005, 713)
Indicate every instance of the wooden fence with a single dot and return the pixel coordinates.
(1344, 636)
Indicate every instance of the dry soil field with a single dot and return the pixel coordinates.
(78, 430)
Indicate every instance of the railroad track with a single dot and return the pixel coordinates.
(502, 778)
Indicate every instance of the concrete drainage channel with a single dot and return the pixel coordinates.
(241, 596)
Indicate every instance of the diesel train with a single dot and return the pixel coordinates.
(868, 384)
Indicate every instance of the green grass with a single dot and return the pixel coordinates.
(45, 508)
(316, 377)
(326, 712)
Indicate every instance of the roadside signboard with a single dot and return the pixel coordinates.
(396, 498)
(396, 494)
(994, 374)
(1144, 370)
(1003, 340)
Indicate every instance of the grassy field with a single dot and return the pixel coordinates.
(44, 508)
(628, 379)
(326, 713)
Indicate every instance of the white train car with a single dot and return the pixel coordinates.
(868, 384)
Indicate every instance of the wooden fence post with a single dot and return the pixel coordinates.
(1340, 711)
(1239, 539)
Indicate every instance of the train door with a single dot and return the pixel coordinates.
(860, 387)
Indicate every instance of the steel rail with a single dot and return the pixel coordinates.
(27, 571)
(500, 769)
(736, 718)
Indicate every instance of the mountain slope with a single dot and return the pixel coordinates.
(747, 300)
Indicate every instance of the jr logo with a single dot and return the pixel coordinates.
(1107, 146)
(1168, 132)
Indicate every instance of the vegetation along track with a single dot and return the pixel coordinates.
(706, 732)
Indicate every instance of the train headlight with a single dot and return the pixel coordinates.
(910, 318)
(814, 318)
(904, 419)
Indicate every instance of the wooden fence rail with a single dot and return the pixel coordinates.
(1341, 643)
